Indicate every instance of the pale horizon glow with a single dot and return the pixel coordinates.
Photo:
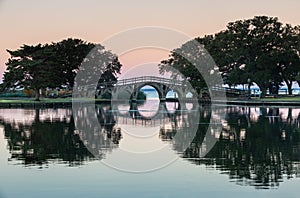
(146, 60)
(39, 21)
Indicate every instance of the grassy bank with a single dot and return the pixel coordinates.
(31, 100)
(284, 99)
(45, 100)
(43, 103)
(59, 100)
(68, 101)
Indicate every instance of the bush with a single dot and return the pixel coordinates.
(106, 96)
(141, 96)
(13, 94)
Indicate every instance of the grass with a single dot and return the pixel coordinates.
(292, 99)
(69, 100)
(44, 100)
(31, 100)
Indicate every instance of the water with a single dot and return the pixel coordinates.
(257, 153)
(150, 92)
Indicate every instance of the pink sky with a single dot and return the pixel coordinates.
(41, 21)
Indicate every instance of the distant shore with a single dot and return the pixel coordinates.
(67, 102)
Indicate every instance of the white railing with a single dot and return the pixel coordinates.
(143, 79)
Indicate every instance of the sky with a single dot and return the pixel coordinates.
(43, 21)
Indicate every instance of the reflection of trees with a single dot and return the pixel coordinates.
(182, 126)
(96, 127)
(254, 152)
(50, 140)
(107, 121)
(43, 141)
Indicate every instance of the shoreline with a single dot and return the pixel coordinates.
(54, 103)
(259, 103)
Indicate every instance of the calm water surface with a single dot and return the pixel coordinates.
(257, 153)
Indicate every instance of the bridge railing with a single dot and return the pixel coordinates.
(229, 91)
(142, 79)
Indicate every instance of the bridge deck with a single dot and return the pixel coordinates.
(143, 79)
(166, 81)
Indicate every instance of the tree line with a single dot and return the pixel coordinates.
(53, 65)
(260, 50)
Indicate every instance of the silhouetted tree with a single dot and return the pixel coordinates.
(56, 65)
(32, 67)
(261, 49)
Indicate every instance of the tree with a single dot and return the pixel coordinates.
(55, 65)
(32, 67)
(111, 71)
(99, 66)
(288, 55)
(70, 54)
(261, 49)
(183, 64)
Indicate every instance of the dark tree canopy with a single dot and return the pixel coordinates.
(261, 49)
(51, 65)
(32, 67)
(184, 62)
(70, 54)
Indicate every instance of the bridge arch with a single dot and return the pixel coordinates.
(161, 85)
(156, 86)
(177, 93)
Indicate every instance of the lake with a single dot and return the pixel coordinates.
(150, 150)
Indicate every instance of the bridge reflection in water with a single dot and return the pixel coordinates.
(257, 146)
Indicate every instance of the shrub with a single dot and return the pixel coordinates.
(13, 94)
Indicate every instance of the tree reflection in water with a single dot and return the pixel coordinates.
(49, 137)
(258, 146)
